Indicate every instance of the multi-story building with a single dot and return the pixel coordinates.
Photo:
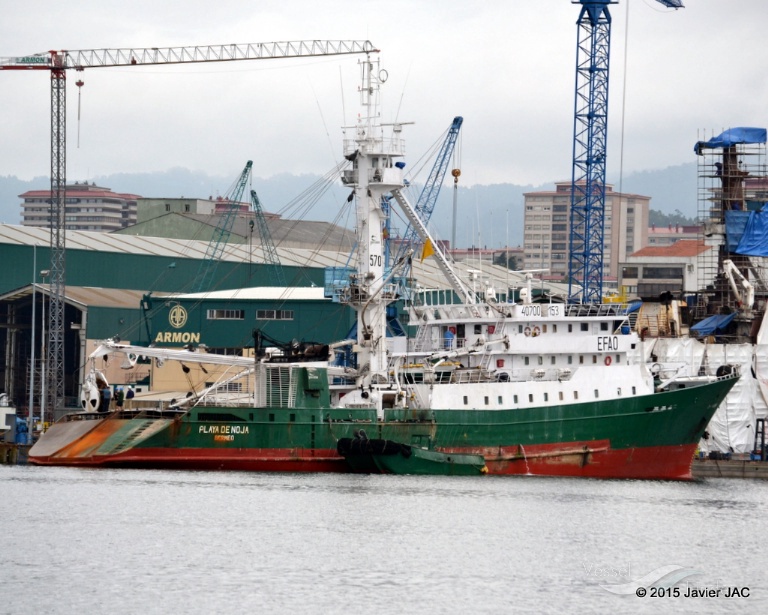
(654, 270)
(88, 207)
(667, 235)
(547, 228)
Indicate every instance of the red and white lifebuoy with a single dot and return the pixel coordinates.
(608, 360)
(527, 331)
(536, 332)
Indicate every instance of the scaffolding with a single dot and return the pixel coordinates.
(730, 178)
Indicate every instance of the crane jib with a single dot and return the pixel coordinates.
(79, 59)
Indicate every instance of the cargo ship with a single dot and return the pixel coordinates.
(484, 382)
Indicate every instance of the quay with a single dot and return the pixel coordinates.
(13, 454)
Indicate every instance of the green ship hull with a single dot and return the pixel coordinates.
(647, 436)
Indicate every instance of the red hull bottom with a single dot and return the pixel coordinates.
(244, 460)
(593, 459)
(597, 460)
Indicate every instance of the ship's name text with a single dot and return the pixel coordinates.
(224, 429)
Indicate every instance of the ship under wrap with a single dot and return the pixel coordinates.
(684, 353)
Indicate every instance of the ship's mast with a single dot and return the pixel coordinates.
(374, 174)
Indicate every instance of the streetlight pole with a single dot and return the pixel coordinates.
(43, 388)
(31, 404)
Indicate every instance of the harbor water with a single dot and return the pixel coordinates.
(131, 541)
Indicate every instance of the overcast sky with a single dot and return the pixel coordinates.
(506, 66)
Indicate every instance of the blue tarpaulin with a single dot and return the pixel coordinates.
(732, 136)
(735, 223)
(713, 324)
(754, 239)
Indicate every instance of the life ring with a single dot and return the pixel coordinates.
(527, 331)
(608, 360)
(536, 332)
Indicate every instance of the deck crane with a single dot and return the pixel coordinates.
(742, 289)
(585, 270)
(428, 197)
(221, 234)
(57, 63)
(267, 245)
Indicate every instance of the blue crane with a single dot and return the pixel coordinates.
(585, 270)
(428, 197)
(221, 235)
(267, 245)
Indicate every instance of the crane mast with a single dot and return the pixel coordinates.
(587, 219)
(267, 245)
(58, 62)
(55, 350)
(221, 234)
(428, 197)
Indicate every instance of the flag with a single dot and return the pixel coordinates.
(427, 250)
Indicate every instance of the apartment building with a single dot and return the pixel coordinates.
(87, 207)
(547, 228)
(672, 233)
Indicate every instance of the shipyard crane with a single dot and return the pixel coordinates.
(425, 204)
(585, 270)
(221, 234)
(267, 245)
(58, 63)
